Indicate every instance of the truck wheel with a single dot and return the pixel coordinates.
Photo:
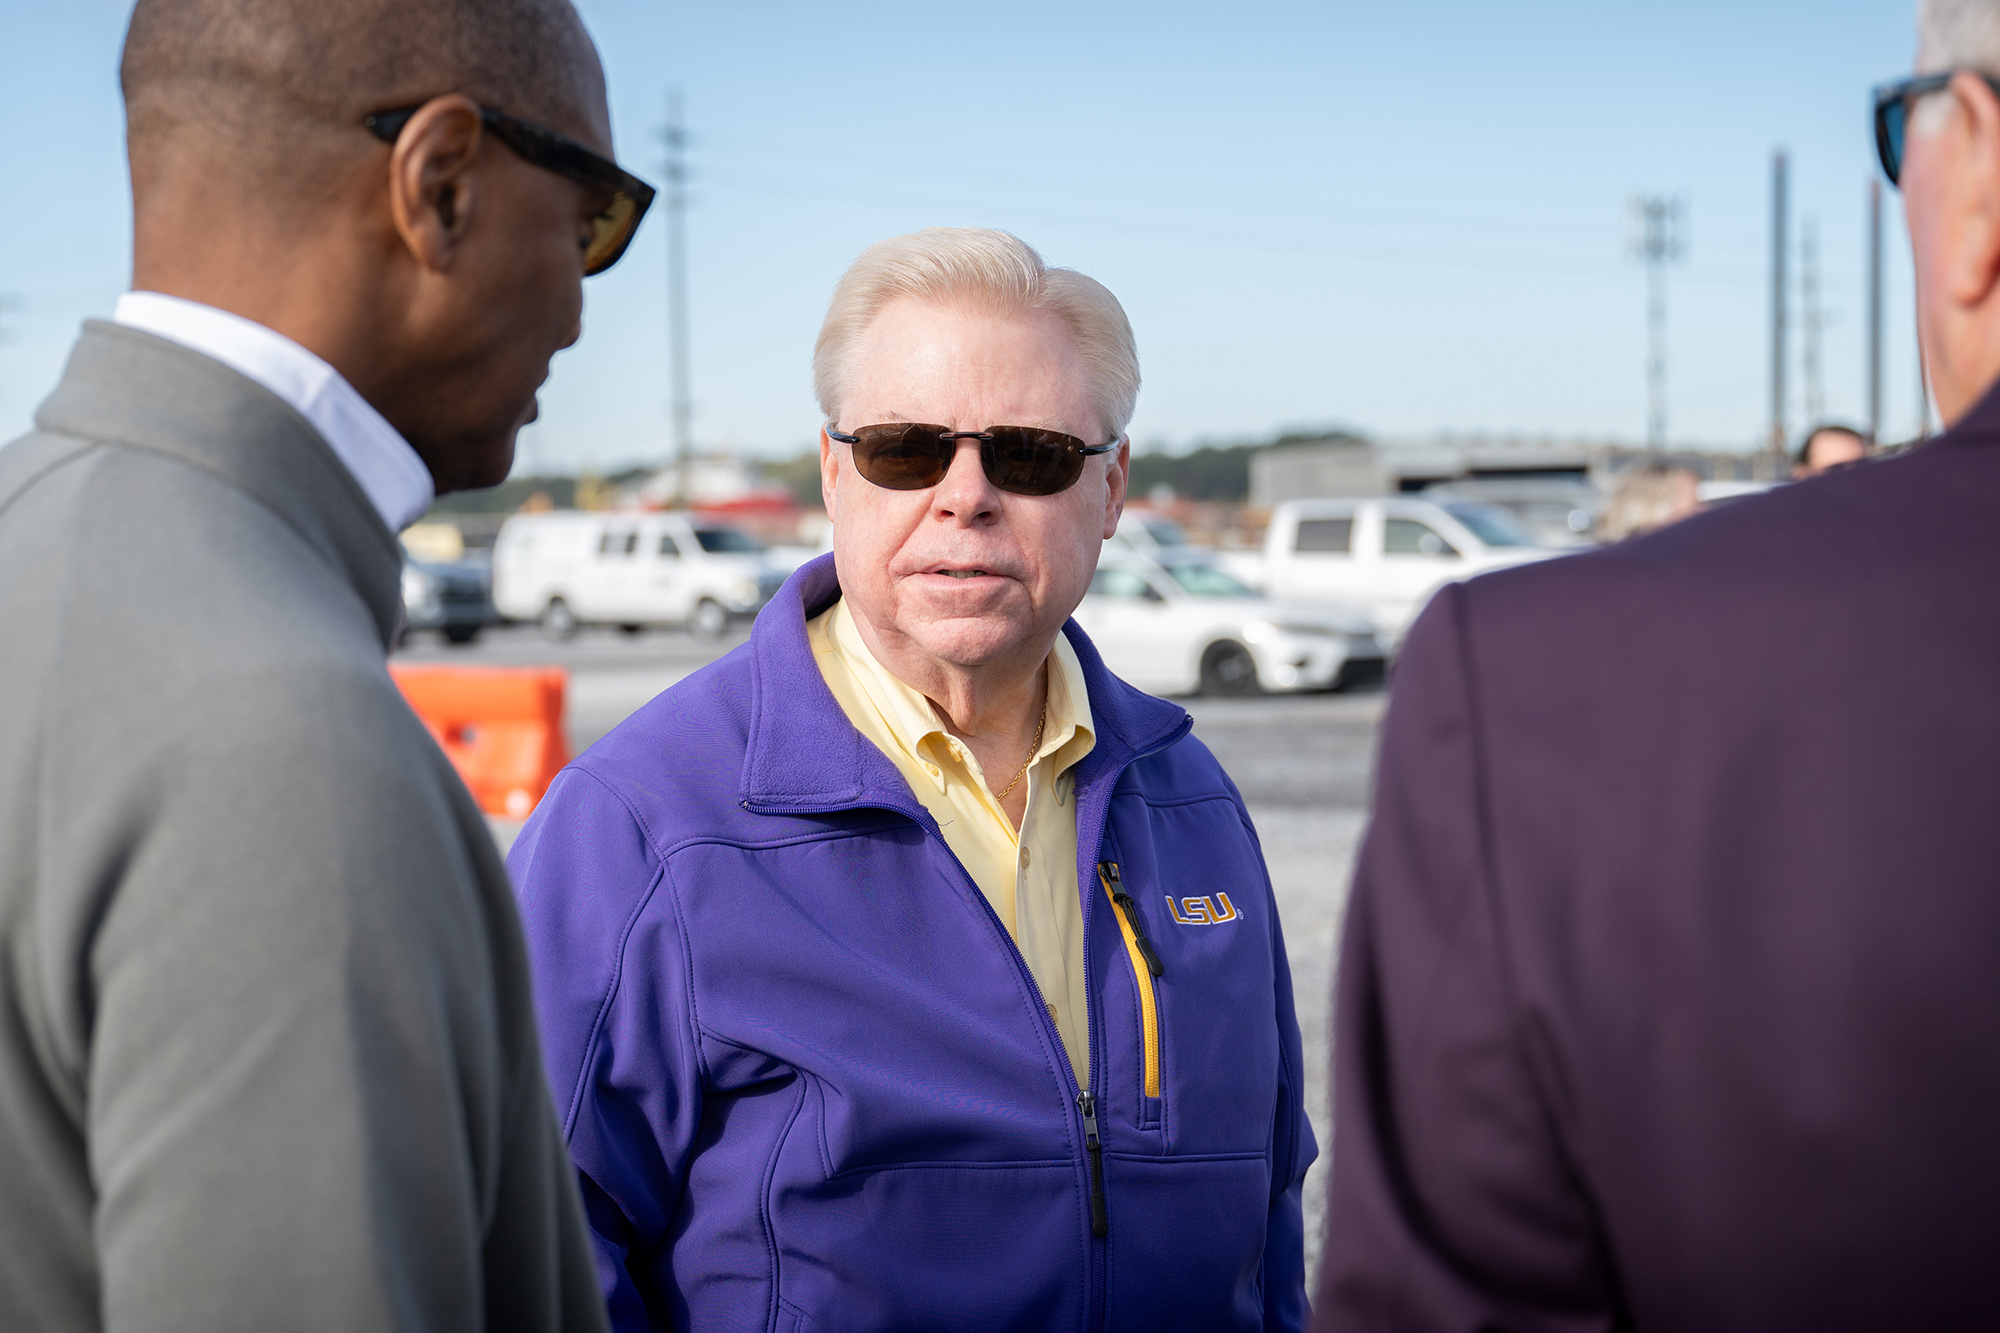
(558, 621)
(461, 634)
(709, 620)
(1228, 669)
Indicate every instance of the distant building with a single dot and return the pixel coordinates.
(1331, 467)
(714, 479)
(1380, 467)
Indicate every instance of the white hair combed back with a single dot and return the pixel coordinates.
(1959, 32)
(988, 269)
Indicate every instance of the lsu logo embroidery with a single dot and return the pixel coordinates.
(1203, 911)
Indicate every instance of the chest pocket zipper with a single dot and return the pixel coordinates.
(1146, 966)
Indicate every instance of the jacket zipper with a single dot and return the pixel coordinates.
(1086, 1102)
(1146, 965)
(1100, 1224)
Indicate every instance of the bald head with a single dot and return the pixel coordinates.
(438, 274)
(271, 93)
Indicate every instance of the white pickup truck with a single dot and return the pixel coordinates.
(1388, 554)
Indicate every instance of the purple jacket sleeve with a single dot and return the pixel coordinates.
(618, 1034)
(1453, 1203)
(1293, 1150)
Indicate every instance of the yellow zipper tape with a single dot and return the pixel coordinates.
(1149, 1012)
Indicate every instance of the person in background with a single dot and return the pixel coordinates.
(905, 968)
(268, 1058)
(1827, 446)
(1668, 994)
(1645, 497)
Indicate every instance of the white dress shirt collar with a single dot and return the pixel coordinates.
(394, 479)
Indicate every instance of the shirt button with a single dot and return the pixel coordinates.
(934, 770)
(1024, 858)
(1052, 1015)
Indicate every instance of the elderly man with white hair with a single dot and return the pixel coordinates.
(906, 969)
(1670, 982)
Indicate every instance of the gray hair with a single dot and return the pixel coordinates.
(1958, 32)
(992, 270)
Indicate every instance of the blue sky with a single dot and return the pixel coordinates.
(1399, 217)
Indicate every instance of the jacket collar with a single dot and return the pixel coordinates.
(126, 387)
(1980, 423)
(804, 755)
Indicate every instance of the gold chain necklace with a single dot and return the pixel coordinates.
(1033, 750)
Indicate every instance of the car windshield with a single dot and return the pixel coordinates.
(728, 541)
(1491, 524)
(1164, 531)
(1199, 580)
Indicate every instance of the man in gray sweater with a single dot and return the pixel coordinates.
(267, 1057)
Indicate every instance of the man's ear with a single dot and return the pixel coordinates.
(1117, 480)
(829, 475)
(431, 182)
(1975, 277)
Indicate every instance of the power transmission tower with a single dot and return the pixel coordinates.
(1658, 239)
(1812, 320)
(674, 200)
(1779, 226)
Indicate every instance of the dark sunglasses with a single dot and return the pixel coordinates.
(1892, 113)
(1021, 460)
(611, 230)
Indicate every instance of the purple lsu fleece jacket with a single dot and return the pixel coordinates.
(809, 1082)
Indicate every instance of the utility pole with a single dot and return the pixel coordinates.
(675, 201)
(1923, 390)
(1657, 240)
(1779, 227)
(1811, 319)
(1874, 311)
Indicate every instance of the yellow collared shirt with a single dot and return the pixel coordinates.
(1029, 877)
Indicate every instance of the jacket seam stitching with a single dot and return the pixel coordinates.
(612, 987)
(764, 1210)
(1023, 1164)
(89, 447)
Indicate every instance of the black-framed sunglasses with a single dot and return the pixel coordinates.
(611, 230)
(1892, 113)
(1021, 460)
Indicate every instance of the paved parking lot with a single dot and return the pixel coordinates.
(1304, 765)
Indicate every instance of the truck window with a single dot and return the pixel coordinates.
(1406, 536)
(667, 546)
(727, 541)
(1325, 536)
(1129, 583)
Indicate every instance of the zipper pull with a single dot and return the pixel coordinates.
(1126, 904)
(1099, 1223)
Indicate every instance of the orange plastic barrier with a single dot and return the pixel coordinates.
(502, 727)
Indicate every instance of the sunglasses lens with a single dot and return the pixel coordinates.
(902, 457)
(1895, 123)
(610, 232)
(1026, 461)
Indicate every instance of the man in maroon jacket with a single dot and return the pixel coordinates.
(1670, 992)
